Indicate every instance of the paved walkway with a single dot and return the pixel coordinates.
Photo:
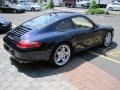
(89, 77)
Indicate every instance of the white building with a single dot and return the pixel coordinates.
(58, 2)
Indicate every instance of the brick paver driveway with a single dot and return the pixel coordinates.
(88, 70)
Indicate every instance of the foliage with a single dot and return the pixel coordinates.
(93, 5)
(94, 9)
(50, 4)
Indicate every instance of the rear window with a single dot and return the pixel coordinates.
(42, 20)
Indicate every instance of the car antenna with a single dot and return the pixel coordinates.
(53, 12)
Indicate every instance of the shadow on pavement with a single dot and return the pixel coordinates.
(42, 69)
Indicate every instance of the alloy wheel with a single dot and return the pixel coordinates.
(62, 55)
(107, 39)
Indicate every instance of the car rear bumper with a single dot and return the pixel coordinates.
(28, 56)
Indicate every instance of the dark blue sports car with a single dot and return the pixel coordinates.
(55, 36)
(5, 25)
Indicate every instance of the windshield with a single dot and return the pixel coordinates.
(42, 20)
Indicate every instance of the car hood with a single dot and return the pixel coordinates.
(4, 21)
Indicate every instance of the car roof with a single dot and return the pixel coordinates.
(64, 14)
(49, 18)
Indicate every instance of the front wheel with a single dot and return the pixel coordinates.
(110, 8)
(60, 55)
(32, 9)
(107, 39)
(83, 6)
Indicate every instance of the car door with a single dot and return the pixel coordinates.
(22, 6)
(87, 35)
(71, 34)
(27, 6)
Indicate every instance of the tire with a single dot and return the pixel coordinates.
(107, 39)
(32, 9)
(60, 55)
(110, 8)
(83, 6)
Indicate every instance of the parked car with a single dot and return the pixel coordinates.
(11, 10)
(55, 36)
(5, 25)
(28, 6)
(83, 3)
(113, 6)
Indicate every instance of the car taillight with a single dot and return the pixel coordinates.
(28, 44)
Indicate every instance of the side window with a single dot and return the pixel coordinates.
(81, 22)
(64, 25)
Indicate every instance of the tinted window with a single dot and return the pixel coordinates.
(64, 25)
(81, 22)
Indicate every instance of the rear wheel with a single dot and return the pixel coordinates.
(107, 39)
(60, 55)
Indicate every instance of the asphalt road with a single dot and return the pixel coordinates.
(108, 59)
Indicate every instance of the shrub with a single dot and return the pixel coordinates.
(49, 5)
(96, 11)
(93, 9)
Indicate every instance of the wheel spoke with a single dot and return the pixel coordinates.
(63, 49)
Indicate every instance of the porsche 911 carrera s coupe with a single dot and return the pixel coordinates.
(55, 37)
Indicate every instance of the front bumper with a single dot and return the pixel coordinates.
(28, 56)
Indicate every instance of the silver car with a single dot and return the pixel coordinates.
(113, 6)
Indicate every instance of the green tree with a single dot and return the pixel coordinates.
(94, 9)
(50, 4)
(93, 4)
